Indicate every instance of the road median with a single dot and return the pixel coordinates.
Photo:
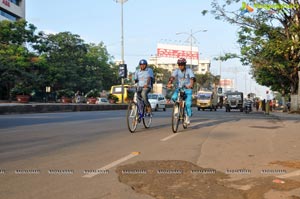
(45, 108)
(16, 108)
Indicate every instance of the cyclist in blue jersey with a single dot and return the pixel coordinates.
(144, 77)
(184, 78)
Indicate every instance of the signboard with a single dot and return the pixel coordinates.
(226, 83)
(177, 51)
(172, 53)
(220, 90)
(123, 71)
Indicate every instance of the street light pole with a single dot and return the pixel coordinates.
(122, 43)
(191, 37)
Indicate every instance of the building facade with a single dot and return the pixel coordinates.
(167, 55)
(227, 85)
(12, 10)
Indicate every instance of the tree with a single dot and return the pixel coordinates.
(269, 40)
(207, 80)
(98, 71)
(16, 61)
(161, 75)
(64, 53)
(62, 61)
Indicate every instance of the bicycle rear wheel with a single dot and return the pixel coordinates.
(132, 116)
(175, 117)
(147, 119)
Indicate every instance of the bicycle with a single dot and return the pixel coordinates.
(179, 113)
(136, 112)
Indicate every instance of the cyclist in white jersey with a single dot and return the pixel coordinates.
(144, 78)
(185, 78)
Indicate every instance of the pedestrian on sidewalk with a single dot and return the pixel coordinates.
(257, 104)
(268, 103)
(263, 105)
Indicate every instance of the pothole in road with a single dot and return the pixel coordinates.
(175, 179)
(291, 164)
(266, 127)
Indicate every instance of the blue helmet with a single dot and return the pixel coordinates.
(143, 61)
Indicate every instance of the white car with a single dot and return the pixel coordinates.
(101, 100)
(157, 101)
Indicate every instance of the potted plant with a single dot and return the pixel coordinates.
(65, 95)
(92, 96)
(21, 93)
(112, 98)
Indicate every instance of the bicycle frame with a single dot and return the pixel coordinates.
(140, 107)
(181, 101)
(136, 116)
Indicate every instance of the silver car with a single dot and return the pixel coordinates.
(157, 101)
(101, 100)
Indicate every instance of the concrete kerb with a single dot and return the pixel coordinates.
(45, 108)
(17, 108)
(287, 115)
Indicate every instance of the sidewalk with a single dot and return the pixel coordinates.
(286, 115)
(256, 154)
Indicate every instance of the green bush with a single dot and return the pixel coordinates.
(93, 93)
(20, 90)
(113, 97)
(65, 93)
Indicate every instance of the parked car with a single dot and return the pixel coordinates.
(101, 100)
(157, 101)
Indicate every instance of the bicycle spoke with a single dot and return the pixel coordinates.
(184, 124)
(147, 119)
(175, 117)
(132, 117)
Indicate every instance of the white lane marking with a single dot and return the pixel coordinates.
(169, 137)
(288, 175)
(131, 155)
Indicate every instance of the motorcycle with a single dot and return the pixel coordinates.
(248, 106)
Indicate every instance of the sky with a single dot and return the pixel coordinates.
(145, 23)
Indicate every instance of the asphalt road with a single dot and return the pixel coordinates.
(75, 155)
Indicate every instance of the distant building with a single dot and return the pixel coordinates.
(12, 10)
(227, 85)
(203, 66)
(168, 54)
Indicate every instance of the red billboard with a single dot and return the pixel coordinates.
(172, 53)
(226, 83)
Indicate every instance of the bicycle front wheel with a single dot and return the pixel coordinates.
(147, 119)
(183, 116)
(175, 117)
(132, 116)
